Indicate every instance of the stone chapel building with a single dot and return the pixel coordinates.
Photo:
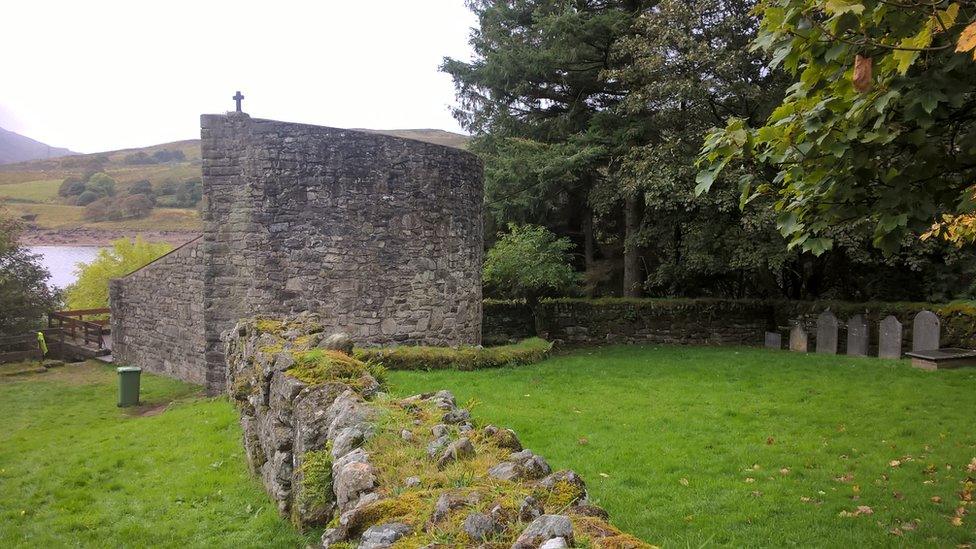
(380, 235)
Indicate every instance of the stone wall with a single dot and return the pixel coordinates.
(157, 315)
(708, 321)
(506, 322)
(331, 448)
(380, 235)
(672, 322)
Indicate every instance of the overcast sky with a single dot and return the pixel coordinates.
(102, 75)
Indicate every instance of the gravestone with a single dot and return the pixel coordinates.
(925, 332)
(889, 338)
(774, 340)
(827, 333)
(798, 339)
(857, 336)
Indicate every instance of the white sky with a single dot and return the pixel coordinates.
(102, 75)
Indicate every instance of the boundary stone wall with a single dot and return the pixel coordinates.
(157, 315)
(708, 321)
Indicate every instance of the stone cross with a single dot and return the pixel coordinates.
(774, 340)
(925, 332)
(798, 339)
(827, 333)
(237, 99)
(889, 338)
(857, 336)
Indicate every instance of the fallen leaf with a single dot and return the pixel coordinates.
(847, 477)
(864, 510)
(757, 494)
(769, 441)
(909, 526)
(956, 521)
(750, 479)
(895, 463)
(784, 471)
(898, 495)
(896, 532)
(936, 499)
(683, 481)
(604, 475)
(583, 441)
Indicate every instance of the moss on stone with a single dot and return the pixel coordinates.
(315, 494)
(410, 357)
(561, 496)
(269, 325)
(322, 366)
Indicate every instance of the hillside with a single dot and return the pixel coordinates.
(30, 189)
(18, 148)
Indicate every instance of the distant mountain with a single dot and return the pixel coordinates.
(17, 148)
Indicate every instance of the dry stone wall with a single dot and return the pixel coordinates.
(332, 449)
(380, 235)
(157, 315)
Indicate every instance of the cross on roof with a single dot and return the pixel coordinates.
(238, 98)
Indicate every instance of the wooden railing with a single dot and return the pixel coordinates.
(25, 347)
(74, 325)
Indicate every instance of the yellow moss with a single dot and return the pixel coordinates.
(321, 366)
(603, 535)
(272, 349)
(562, 495)
(269, 325)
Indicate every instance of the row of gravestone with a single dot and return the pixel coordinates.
(925, 335)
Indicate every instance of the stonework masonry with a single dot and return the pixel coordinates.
(379, 235)
(157, 315)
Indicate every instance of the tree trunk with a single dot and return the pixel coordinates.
(632, 220)
(589, 250)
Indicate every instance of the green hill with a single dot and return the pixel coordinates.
(30, 189)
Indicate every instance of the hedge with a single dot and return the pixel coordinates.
(467, 358)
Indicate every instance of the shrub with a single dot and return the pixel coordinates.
(529, 263)
(87, 198)
(406, 357)
(134, 206)
(102, 184)
(24, 292)
(103, 209)
(138, 158)
(90, 291)
(141, 187)
(72, 186)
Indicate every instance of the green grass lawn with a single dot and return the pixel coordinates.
(45, 190)
(690, 447)
(75, 470)
(686, 447)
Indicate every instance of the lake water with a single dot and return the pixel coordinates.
(61, 261)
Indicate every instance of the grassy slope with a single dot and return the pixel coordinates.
(77, 471)
(653, 416)
(32, 187)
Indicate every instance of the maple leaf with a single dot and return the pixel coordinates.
(683, 481)
(864, 510)
(956, 521)
(967, 40)
(895, 463)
